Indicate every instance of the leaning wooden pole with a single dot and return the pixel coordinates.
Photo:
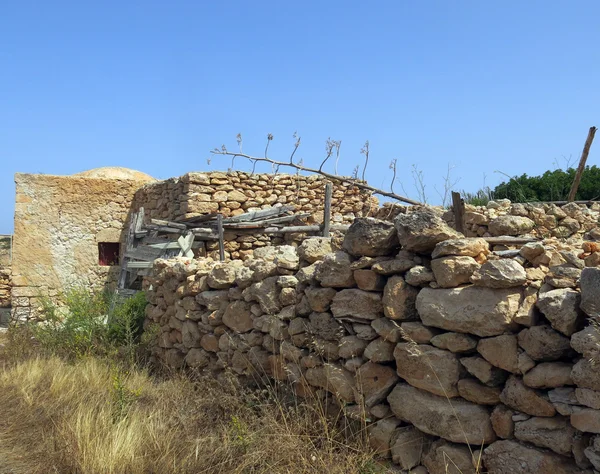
(581, 167)
(458, 206)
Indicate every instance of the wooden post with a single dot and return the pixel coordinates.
(581, 167)
(221, 238)
(458, 205)
(129, 239)
(327, 210)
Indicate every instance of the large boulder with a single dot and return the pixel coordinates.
(516, 395)
(468, 247)
(453, 271)
(590, 291)
(510, 225)
(370, 237)
(428, 368)
(510, 457)
(314, 249)
(503, 273)
(459, 421)
(561, 308)
(422, 229)
(357, 303)
(480, 311)
(399, 299)
(335, 272)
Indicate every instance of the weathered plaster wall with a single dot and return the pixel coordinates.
(458, 353)
(59, 221)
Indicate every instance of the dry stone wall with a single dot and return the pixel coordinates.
(458, 354)
(501, 217)
(237, 192)
(5, 272)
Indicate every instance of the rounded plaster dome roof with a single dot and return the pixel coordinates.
(115, 172)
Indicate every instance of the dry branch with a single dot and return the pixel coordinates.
(277, 164)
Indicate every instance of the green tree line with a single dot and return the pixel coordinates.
(550, 186)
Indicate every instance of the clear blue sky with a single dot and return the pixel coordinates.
(154, 86)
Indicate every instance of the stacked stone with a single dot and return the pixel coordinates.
(501, 217)
(464, 358)
(5, 287)
(236, 192)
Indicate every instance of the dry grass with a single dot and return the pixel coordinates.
(92, 417)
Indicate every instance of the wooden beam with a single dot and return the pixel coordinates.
(140, 264)
(327, 209)
(581, 167)
(458, 206)
(255, 215)
(144, 252)
(221, 238)
(175, 225)
(304, 229)
(128, 246)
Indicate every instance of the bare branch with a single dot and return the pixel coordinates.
(329, 145)
(393, 168)
(299, 166)
(448, 185)
(239, 141)
(419, 182)
(365, 151)
(338, 145)
(269, 138)
(296, 145)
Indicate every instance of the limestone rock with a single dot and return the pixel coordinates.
(197, 358)
(314, 249)
(357, 303)
(502, 421)
(549, 375)
(510, 225)
(428, 368)
(542, 343)
(266, 292)
(501, 351)
(422, 229)
(473, 391)
(399, 299)
(388, 329)
(461, 422)
(516, 395)
(453, 271)
(585, 374)
(414, 331)
(222, 275)
(319, 299)
(374, 382)
(484, 371)
(480, 311)
(351, 346)
(237, 317)
(503, 273)
(408, 445)
(586, 420)
(393, 266)
(324, 325)
(334, 379)
(454, 342)
(552, 433)
(587, 397)
(470, 247)
(334, 271)
(380, 435)
(370, 237)
(510, 457)
(368, 280)
(587, 342)
(443, 457)
(419, 276)
(379, 350)
(561, 308)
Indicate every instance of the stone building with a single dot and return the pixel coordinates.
(70, 230)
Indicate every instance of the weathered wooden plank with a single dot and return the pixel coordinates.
(508, 240)
(128, 246)
(266, 222)
(458, 206)
(175, 225)
(255, 215)
(172, 245)
(327, 209)
(140, 264)
(163, 228)
(185, 242)
(144, 252)
(221, 239)
(303, 228)
(139, 219)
